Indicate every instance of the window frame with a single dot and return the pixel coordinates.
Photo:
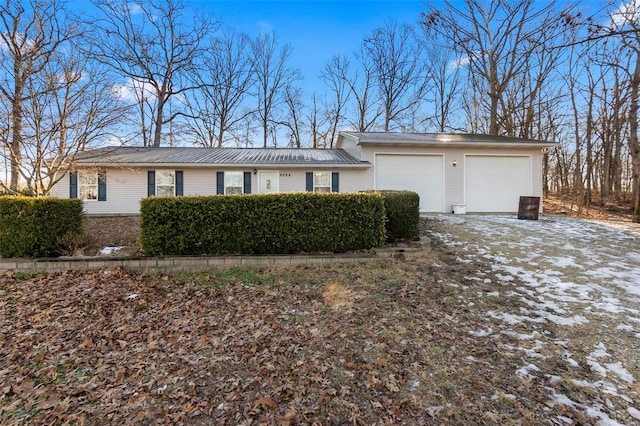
(81, 184)
(328, 186)
(158, 185)
(241, 180)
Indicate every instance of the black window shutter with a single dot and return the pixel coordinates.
(151, 183)
(310, 181)
(220, 183)
(73, 185)
(247, 182)
(179, 183)
(102, 185)
(335, 182)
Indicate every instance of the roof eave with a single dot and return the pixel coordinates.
(363, 165)
(463, 144)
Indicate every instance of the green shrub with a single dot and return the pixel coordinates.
(261, 223)
(403, 214)
(31, 227)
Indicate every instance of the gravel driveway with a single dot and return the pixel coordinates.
(572, 305)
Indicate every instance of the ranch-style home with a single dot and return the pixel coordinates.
(479, 172)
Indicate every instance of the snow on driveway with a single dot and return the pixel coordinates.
(578, 323)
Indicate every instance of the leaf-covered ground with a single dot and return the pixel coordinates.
(388, 342)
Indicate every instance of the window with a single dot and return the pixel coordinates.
(88, 184)
(322, 182)
(165, 183)
(233, 182)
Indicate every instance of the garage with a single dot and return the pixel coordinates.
(420, 173)
(495, 183)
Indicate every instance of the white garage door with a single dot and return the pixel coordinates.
(419, 173)
(495, 183)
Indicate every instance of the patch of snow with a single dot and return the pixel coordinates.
(110, 250)
(433, 411)
(554, 379)
(596, 367)
(617, 368)
(131, 296)
(563, 262)
(160, 389)
(509, 396)
(574, 320)
(633, 412)
(534, 352)
(601, 385)
(504, 277)
(599, 352)
(625, 327)
(566, 355)
(481, 333)
(527, 370)
(520, 336)
(595, 411)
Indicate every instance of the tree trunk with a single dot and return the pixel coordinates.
(157, 131)
(494, 127)
(16, 141)
(265, 131)
(634, 144)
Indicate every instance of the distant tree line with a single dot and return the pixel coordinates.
(155, 73)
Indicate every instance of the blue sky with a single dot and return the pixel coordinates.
(316, 29)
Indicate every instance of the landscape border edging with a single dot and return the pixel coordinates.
(192, 263)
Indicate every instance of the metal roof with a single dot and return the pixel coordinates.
(230, 157)
(442, 139)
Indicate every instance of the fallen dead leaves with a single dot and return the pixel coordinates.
(378, 343)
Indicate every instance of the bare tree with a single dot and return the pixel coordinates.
(224, 79)
(400, 71)
(335, 75)
(295, 111)
(626, 22)
(83, 109)
(315, 123)
(272, 76)
(446, 77)
(362, 87)
(149, 43)
(30, 33)
(496, 40)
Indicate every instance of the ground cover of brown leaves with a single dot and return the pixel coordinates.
(620, 211)
(111, 231)
(387, 342)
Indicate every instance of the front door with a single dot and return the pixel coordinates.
(268, 181)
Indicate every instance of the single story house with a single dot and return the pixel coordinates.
(484, 173)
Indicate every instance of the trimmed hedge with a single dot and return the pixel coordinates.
(403, 214)
(261, 223)
(30, 227)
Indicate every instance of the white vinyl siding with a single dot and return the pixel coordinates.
(419, 173)
(495, 183)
